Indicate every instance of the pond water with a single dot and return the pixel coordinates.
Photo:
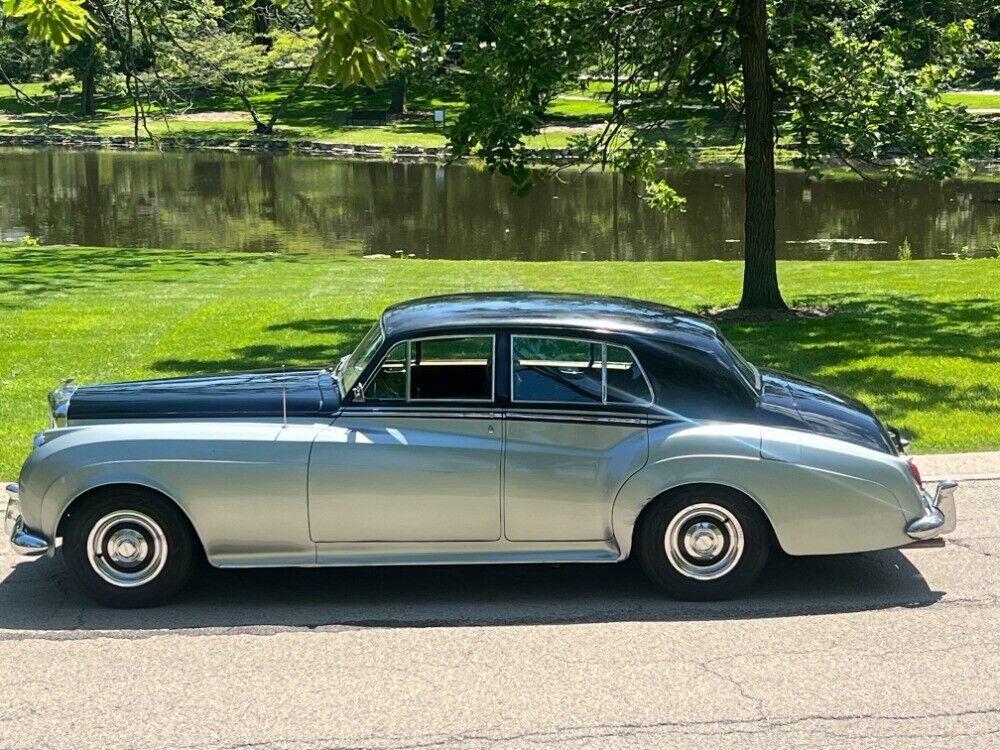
(225, 201)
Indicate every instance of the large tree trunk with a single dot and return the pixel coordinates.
(760, 273)
(88, 86)
(397, 96)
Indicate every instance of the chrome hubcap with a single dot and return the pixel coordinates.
(127, 548)
(704, 541)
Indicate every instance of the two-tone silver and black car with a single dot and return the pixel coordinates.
(479, 428)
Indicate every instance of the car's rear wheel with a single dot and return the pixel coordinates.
(128, 547)
(703, 543)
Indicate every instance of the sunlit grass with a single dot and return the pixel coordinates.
(918, 340)
(974, 100)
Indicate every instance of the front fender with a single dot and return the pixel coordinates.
(242, 485)
(820, 495)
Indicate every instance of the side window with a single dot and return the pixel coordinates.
(626, 383)
(389, 383)
(445, 369)
(570, 371)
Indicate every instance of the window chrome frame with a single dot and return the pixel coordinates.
(340, 382)
(604, 373)
(409, 349)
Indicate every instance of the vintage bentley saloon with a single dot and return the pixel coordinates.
(477, 428)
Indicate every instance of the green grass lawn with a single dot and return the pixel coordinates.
(918, 340)
(974, 100)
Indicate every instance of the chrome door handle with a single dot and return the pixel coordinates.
(490, 429)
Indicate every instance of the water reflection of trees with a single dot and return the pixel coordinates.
(265, 202)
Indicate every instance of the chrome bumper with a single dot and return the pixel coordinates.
(939, 512)
(22, 540)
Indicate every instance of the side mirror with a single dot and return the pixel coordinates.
(358, 394)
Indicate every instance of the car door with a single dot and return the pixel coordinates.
(419, 459)
(575, 431)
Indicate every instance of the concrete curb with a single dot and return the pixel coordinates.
(959, 466)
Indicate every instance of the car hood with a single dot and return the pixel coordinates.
(279, 393)
(790, 399)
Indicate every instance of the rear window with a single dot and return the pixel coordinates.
(575, 371)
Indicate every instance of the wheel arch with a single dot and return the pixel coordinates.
(672, 490)
(81, 498)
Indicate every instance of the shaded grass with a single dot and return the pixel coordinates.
(919, 340)
(319, 114)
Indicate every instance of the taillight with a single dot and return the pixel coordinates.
(915, 472)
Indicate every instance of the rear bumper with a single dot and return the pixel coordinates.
(939, 515)
(22, 540)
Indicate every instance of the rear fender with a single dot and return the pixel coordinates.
(819, 499)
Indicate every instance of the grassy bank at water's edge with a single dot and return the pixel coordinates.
(918, 341)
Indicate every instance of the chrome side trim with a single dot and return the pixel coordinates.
(939, 516)
(374, 411)
(22, 541)
(460, 553)
(554, 416)
(536, 416)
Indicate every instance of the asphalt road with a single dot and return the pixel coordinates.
(887, 650)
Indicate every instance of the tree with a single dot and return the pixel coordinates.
(355, 36)
(858, 80)
(237, 53)
(517, 55)
(161, 46)
(760, 279)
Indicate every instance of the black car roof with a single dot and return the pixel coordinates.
(575, 312)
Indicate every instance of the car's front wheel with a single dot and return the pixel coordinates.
(703, 543)
(128, 547)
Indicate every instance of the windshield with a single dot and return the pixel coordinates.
(747, 370)
(351, 368)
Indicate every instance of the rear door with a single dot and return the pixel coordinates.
(575, 431)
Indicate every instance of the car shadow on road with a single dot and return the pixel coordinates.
(39, 595)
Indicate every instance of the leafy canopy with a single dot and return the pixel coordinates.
(57, 21)
(858, 80)
(355, 37)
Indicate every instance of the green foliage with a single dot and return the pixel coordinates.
(56, 21)
(60, 84)
(866, 96)
(858, 80)
(905, 252)
(224, 60)
(356, 37)
(517, 55)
